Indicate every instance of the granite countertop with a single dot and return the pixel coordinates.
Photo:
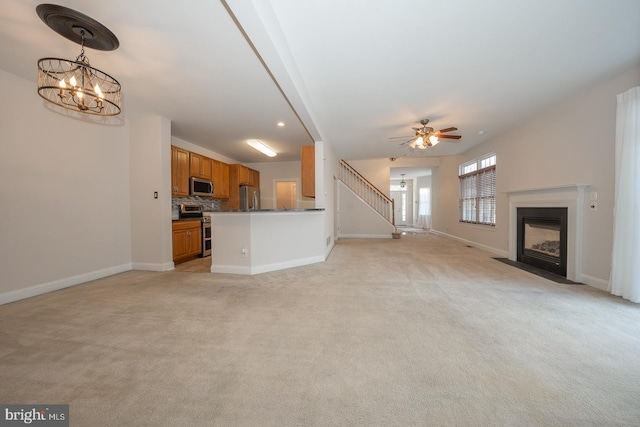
(270, 210)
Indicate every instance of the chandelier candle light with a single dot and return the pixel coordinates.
(76, 85)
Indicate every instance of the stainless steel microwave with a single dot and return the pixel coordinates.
(200, 187)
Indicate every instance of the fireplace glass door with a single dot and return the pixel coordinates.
(542, 235)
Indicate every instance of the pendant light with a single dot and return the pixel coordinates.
(75, 84)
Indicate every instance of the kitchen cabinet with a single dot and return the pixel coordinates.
(220, 179)
(200, 166)
(248, 176)
(308, 171)
(239, 175)
(179, 172)
(254, 178)
(187, 240)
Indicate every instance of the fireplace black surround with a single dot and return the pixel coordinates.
(542, 238)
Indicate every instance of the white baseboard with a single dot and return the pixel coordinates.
(147, 266)
(595, 282)
(365, 236)
(328, 250)
(257, 269)
(67, 282)
(495, 251)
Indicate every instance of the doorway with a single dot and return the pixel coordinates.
(286, 194)
(400, 206)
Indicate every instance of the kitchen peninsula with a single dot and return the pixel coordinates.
(258, 241)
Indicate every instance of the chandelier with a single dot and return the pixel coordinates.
(76, 85)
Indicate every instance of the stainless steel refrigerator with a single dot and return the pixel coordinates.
(249, 197)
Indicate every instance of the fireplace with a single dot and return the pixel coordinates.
(542, 238)
(570, 197)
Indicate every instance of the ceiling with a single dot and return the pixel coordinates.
(351, 73)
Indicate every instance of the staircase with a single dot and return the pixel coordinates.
(373, 197)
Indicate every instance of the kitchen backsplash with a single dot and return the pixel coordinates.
(207, 204)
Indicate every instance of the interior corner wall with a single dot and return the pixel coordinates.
(151, 243)
(570, 143)
(64, 186)
(327, 162)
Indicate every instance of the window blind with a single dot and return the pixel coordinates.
(478, 196)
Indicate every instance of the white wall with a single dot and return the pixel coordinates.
(151, 172)
(359, 220)
(64, 191)
(326, 189)
(570, 143)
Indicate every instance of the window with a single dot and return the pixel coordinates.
(424, 206)
(478, 191)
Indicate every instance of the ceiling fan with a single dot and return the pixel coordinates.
(426, 136)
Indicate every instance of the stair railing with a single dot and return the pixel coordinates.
(367, 191)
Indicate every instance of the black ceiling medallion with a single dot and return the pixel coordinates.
(76, 85)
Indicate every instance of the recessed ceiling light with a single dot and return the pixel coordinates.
(259, 145)
(480, 132)
(281, 124)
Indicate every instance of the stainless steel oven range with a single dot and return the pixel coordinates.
(189, 210)
(206, 236)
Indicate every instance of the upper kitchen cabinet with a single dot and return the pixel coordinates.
(248, 176)
(200, 166)
(179, 172)
(239, 175)
(308, 171)
(254, 178)
(220, 179)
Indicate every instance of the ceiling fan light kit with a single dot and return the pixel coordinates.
(75, 84)
(426, 137)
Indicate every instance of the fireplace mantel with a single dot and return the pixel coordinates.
(554, 189)
(570, 196)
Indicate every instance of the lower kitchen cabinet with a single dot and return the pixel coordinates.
(187, 240)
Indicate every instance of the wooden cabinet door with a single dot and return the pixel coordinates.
(200, 166)
(254, 178)
(308, 171)
(195, 241)
(179, 172)
(220, 180)
(187, 240)
(180, 244)
(244, 177)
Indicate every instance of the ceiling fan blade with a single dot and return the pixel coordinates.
(449, 136)
(447, 129)
(398, 137)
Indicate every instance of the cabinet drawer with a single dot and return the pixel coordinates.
(186, 225)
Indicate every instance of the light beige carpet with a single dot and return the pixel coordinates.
(417, 331)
